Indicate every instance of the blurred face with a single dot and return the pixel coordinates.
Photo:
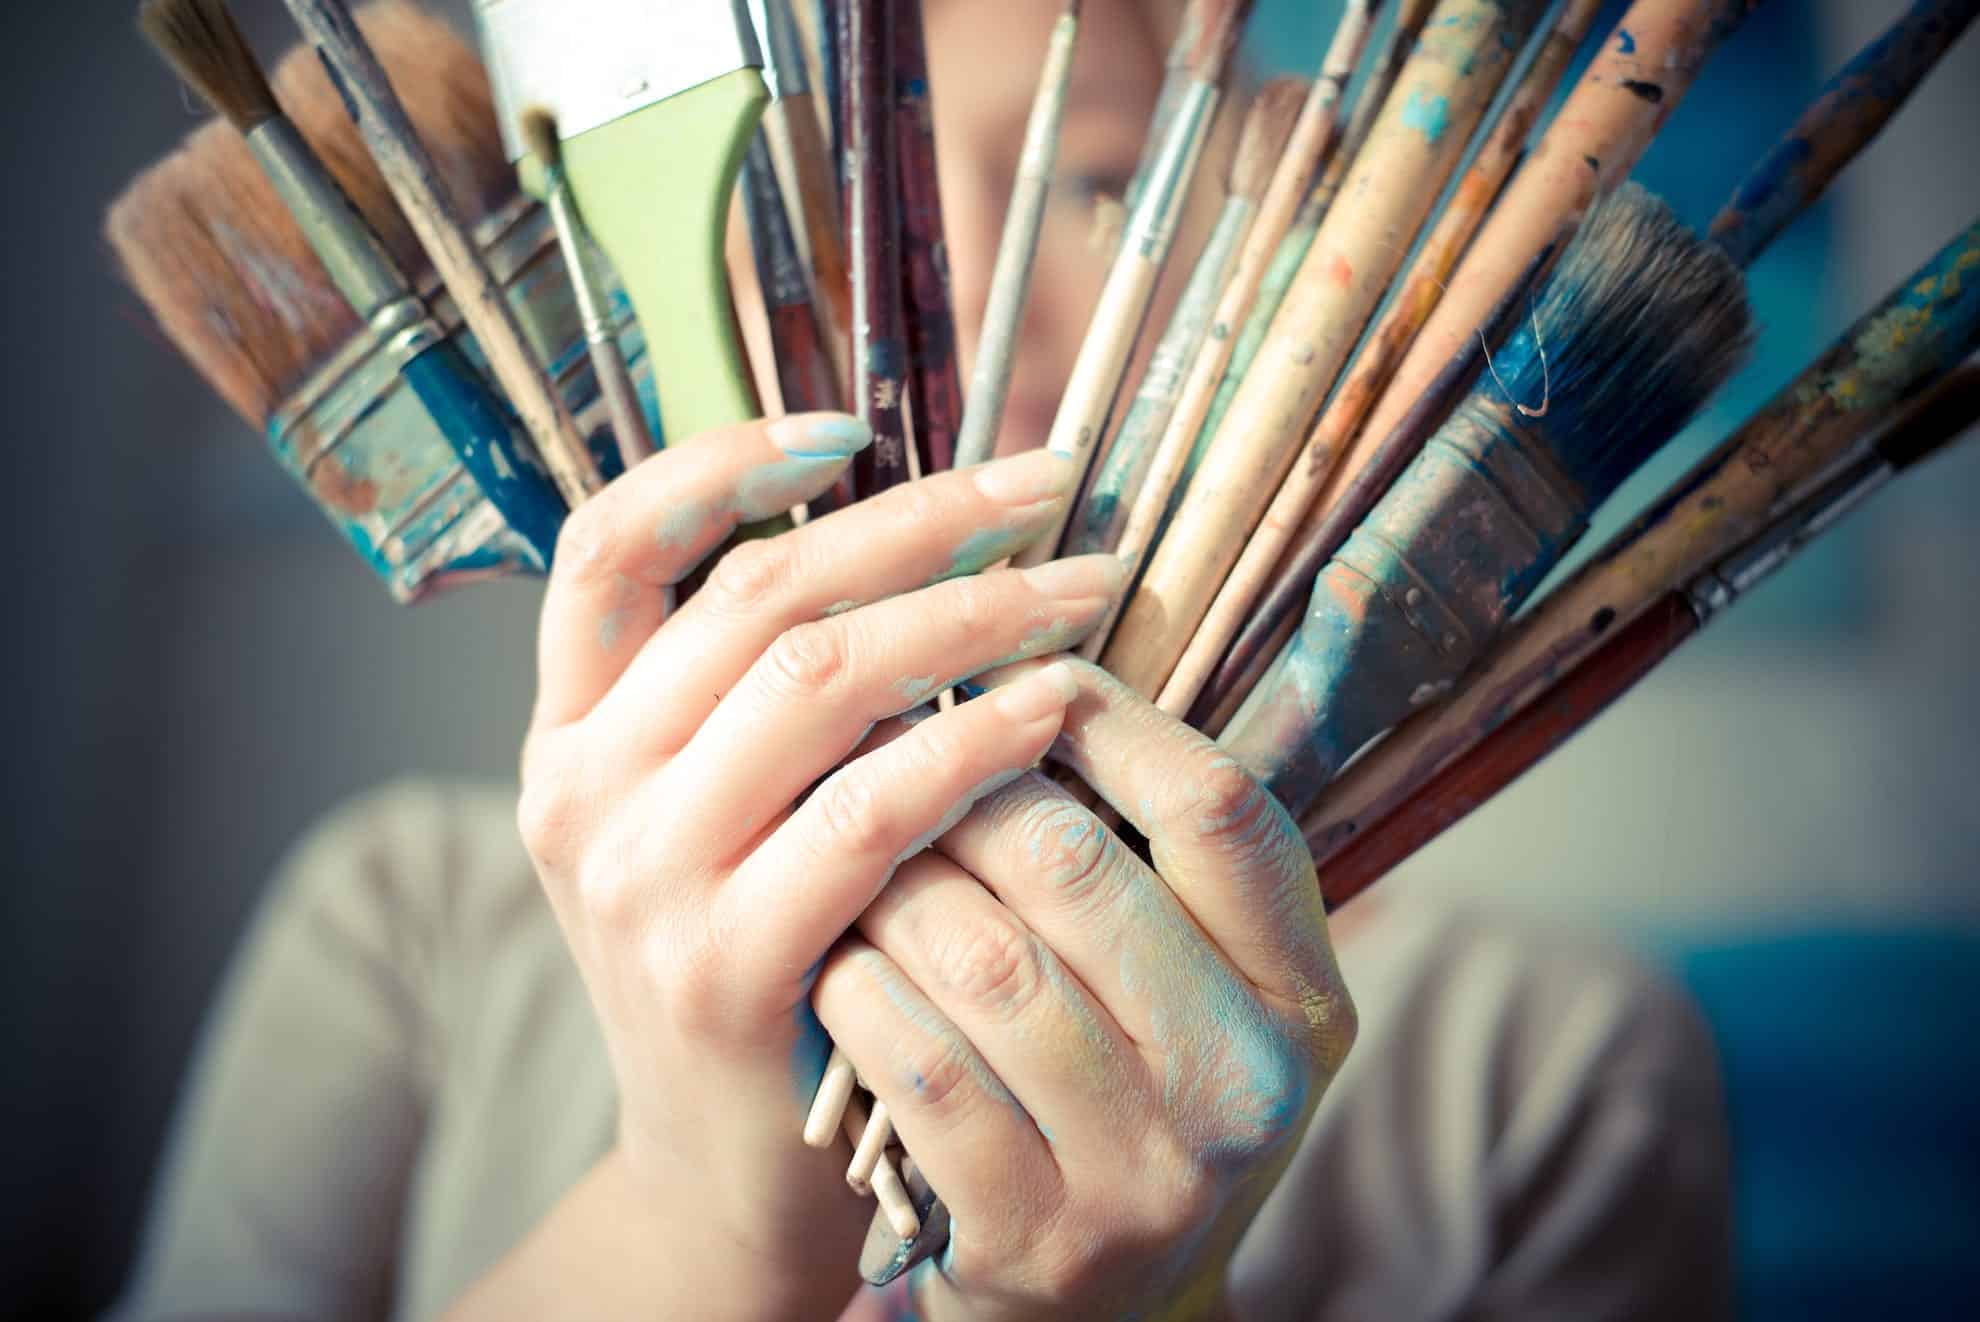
(984, 61)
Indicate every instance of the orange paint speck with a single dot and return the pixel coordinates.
(1339, 271)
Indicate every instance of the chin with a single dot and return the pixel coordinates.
(1027, 423)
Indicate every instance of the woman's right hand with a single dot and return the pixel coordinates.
(668, 792)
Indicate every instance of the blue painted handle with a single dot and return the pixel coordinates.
(485, 436)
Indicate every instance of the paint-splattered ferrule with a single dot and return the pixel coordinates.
(1412, 599)
(370, 435)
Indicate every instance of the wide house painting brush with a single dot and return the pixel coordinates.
(1640, 322)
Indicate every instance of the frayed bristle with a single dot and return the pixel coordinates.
(206, 243)
(539, 134)
(1267, 126)
(199, 39)
(1638, 325)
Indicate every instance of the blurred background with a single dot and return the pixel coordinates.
(1788, 815)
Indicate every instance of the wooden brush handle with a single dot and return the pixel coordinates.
(1467, 783)
(872, 196)
(1410, 601)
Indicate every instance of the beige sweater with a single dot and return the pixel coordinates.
(403, 1075)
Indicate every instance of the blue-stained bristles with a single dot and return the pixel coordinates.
(1638, 325)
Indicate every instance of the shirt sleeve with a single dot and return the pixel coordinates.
(286, 1174)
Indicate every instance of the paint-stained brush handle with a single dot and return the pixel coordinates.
(872, 193)
(934, 380)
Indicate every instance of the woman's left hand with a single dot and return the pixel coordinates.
(1101, 1066)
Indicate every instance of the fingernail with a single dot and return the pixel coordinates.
(820, 435)
(1038, 695)
(1027, 478)
(1079, 576)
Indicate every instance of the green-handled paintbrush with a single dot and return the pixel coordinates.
(655, 104)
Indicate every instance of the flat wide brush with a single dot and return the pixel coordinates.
(1638, 325)
(1945, 413)
(656, 103)
(1928, 323)
(200, 40)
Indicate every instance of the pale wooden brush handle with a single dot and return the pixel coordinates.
(1415, 298)
(1466, 50)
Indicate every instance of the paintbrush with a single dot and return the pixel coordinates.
(629, 429)
(1210, 35)
(1636, 327)
(656, 104)
(1131, 531)
(1017, 247)
(1097, 523)
(1419, 135)
(1847, 113)
(257, 260)
(1643, 70)
(1410, 305)
(872, 193)
(793, 130)
(934, 380)
(414, 179)
(1265, 635)
(1291, 252)
(1844, 117)
(1941, 416)
(1926, 324)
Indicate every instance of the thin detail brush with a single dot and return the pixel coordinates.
(415, 181)
(1926, 324)
(934, 380)
(200, 40)
(1415, 296)
(1104, 508)
(1306, 148)
(872, 192)
(1130, 285)
(1017, 247)
(1850, 110)
(601, 339)
(1416, 143)
(1638, 325)
(1291, 252)
(1946, 412)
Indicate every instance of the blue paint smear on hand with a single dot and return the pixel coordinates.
(1428, 115)
(1625, 43)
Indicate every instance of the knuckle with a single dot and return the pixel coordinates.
(973, 607)
(808, 659)
(989, 963)
(750, 577)
(1230, 803)
(851, 811)
(937, 1071)
(546, 819)
(1074, 852)
(584, 542)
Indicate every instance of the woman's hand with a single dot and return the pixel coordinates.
(1101, 1066)
(668, 794)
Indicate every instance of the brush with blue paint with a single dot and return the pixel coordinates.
(201, 42)
(1639, 324)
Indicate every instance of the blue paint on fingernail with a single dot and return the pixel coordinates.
(821, 437)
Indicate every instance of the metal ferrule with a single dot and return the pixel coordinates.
(581, 262)
(784, 70)
(590, 62)
(342, 239)
(364, 447)
(1151, 225)
(1738, 573)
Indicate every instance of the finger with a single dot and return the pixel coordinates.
(1071, 1068)
(972, 1139)
(1221, 842)
(809, 699)
(806, 883)
(906, 538)
(618, 552)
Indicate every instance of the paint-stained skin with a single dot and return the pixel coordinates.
(1851, 108)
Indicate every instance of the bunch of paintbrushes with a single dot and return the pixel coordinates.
(1386, 403)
